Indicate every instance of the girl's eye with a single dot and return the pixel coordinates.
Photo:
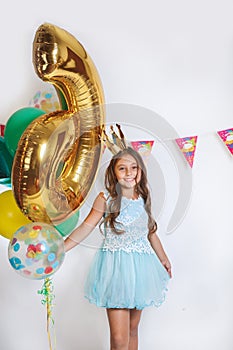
(135, 167)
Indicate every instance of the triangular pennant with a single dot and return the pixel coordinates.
(144, 148)
(2, 128)
(227, 138)
(188, 147)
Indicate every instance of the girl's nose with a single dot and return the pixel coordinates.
(128, 171)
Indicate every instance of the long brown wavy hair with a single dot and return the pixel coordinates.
(115, 194)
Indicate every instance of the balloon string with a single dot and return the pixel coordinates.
(48, 296)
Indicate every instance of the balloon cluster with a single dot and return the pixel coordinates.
(36, 251)
(42, 152)
(11, 215)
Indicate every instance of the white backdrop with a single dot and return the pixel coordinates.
(175, 58)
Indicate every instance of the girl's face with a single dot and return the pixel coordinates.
(127, 171)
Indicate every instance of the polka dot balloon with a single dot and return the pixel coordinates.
(36, 251)
(47, 100)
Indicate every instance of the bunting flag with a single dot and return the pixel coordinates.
(2, 128)
(188, 147)
(227, 138)
(144, 148)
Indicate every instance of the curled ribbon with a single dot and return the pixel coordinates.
(48, 296)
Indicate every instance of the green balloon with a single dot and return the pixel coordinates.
(17, 124)
(67, 226)
(6, 160)
(61, 99)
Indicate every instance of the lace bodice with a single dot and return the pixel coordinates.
(133, 219)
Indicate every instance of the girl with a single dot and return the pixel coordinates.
(131, 270)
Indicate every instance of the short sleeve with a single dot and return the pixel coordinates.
(104, 194)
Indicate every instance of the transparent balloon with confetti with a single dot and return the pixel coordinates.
(36, 250)
(45, 99)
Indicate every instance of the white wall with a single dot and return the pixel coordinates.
(175, 58)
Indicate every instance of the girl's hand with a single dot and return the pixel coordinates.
(167, 265)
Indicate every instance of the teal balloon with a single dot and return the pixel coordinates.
(6, 182)
(6, 160)
(67, 226)
(16, 125)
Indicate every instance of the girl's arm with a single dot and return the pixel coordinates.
(88, 225)
(158, 248)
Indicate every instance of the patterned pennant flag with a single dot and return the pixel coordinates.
(227, 138)
(2, 128)
(144, 148)
(188, 147)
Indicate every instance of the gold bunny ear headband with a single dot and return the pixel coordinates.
(117, 142)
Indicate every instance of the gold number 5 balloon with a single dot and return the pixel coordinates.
(58, 154)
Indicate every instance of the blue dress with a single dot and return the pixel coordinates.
(126, 272)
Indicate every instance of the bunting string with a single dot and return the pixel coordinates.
(187, 145)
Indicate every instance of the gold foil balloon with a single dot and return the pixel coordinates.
(58, 155)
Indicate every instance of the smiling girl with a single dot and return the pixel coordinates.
(131, 269)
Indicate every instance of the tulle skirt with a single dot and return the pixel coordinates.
(126, 280)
